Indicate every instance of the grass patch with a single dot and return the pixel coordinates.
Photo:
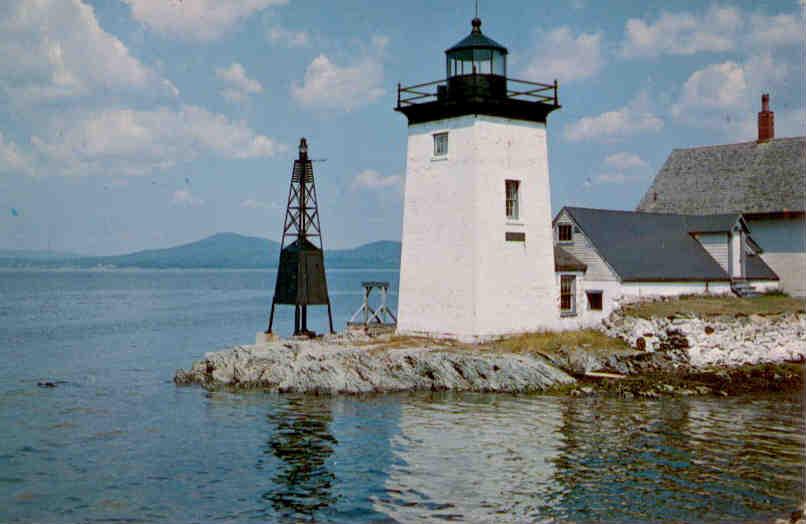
(528, 343)
(770, 304)
(551, 342)
(385, 343)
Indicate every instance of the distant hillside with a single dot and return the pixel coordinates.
(381, 254)
(223, 250)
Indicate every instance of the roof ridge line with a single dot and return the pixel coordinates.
(781, 139)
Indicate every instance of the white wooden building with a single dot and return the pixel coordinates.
(628, 256)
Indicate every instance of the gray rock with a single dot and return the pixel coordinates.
(725, 340)
(332, 367)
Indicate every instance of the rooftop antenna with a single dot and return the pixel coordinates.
(477, 8)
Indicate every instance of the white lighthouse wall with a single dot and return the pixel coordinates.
(515, 281)
(437, 262)
(459, 277)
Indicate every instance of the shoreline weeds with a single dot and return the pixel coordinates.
(758, 355)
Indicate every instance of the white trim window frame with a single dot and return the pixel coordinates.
(561, 227)
(512, 191)
(568, 295)
(441, 144)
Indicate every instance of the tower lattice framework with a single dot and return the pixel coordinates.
(301, 280)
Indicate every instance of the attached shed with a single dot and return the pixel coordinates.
(629, 255)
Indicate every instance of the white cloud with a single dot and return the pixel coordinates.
(612, 126)
(616, 178)
(718, 86)
(12, 159)
(240, 86)
(201, 20)
(561, 55)
(288, 38)
(713, 96)
(331, 86)
(683, 33)
(718, 29)
(623, 161)
(184, 197)
(133, 142)
(251, 203)
(775, 31)
(55, 49)
(372, 180)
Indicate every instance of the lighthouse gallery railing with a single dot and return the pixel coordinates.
(516, 89)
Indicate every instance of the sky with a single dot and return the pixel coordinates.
(134, 124)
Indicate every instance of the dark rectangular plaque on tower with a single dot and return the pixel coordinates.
(515, 237)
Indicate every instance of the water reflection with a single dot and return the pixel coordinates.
(302, 442)
(473, 458)
(515, 459)
(677, 458)
(328, 458)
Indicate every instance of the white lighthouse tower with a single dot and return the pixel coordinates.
(477, 257)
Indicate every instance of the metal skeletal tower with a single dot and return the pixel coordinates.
(301, 278)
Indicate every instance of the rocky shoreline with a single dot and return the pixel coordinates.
(346, 365)
(669, 356)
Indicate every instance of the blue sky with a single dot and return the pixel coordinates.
(147, 123)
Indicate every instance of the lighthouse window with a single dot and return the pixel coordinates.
(512, 198)
(440, 144)
(567, 291)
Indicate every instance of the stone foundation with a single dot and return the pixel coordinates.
(724, 340)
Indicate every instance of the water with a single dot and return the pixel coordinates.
(117, 441)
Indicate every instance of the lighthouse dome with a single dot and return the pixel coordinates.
(476, 54)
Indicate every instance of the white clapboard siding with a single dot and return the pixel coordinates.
(583, 249)
(716, 244)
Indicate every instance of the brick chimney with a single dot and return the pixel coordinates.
(766, 120)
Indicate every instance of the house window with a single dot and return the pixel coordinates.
(512, 198)
(567, 294)
(440, 144)
(564, 233)
(594, 300)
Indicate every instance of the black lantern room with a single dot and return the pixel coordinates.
(477, 54)
(476, 82)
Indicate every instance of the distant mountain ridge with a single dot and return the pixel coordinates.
(222, 250)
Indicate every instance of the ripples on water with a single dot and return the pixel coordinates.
(116, 440)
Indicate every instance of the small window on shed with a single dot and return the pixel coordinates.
(512, 198)
(594, 300)
(564, 233)
(440, 144)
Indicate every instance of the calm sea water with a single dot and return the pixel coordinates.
(117, 441)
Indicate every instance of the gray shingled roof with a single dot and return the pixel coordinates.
(565, 261)
(735, 178)
(659, 247)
